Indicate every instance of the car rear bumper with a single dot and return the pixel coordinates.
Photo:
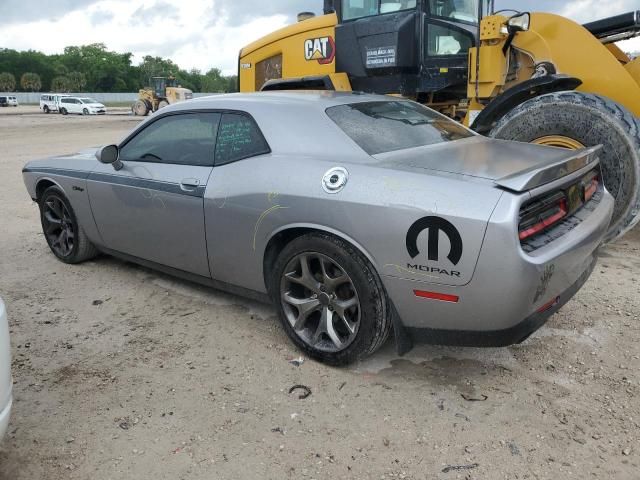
(512, 292)
(499, 338)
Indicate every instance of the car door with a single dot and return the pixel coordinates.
(152, 208)
(76, 106)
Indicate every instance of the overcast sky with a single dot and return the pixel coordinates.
(198, 33)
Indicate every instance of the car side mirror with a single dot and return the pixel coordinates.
(519, 23)
(109, 156)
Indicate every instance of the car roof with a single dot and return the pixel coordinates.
(322, 99)
(293, 122)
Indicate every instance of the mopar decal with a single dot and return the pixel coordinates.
(322, 49)
(435, 225)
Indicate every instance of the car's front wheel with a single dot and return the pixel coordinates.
(61, 229)
(63, 111)
(330, 299)
(85, 111)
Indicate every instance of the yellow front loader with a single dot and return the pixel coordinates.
(533, 77)
(165, 91)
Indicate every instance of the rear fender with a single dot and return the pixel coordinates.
(325, 229)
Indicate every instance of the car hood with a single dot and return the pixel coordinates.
(69, 161)
(513, 165)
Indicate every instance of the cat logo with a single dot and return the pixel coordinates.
(322, 49)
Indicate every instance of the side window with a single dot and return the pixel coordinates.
(447, 41)
(183, 139)
(239, 137)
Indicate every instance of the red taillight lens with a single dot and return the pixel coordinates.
(541, 215)
(545, 212)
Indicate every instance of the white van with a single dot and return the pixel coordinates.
(9, 101)
(49, 102)
(81, 105)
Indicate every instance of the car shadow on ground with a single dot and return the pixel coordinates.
(437, 364)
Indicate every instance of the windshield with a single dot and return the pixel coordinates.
(352, 9)
(88, 100)
(379, 127)
(465, 10)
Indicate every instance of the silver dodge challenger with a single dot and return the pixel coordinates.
(355, 214)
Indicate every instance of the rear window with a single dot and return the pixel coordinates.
(380, 127)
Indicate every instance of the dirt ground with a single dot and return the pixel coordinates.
(121, 372)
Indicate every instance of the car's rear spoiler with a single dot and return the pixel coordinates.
(537, 176)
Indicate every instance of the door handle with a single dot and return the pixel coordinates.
(189, 184)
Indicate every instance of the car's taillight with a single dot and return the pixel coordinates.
(542, 214)
(590, 185)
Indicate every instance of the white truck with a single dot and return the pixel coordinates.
(50, 102)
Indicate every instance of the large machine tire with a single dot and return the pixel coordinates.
(162, 104)
(140, 108)
(576, 119)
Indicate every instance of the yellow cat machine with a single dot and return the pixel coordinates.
(532, 77)
(164, 91)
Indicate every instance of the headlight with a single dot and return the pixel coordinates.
(519, 23)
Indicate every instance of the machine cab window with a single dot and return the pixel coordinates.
(464, 10)
(352, 9)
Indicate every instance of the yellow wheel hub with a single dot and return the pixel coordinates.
(559, 141)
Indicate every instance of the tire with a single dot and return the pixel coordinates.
(162, 104)
(349, 279)
(140, 108)
(85, 111)
(54, 204)
(45, 109)
(591, 120)
(63, 111)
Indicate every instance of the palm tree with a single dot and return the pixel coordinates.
(7, 82)
(30, 81)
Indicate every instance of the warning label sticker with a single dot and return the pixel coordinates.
(381, 57)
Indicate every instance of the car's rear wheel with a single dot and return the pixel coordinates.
(330, 299)
(64, 235)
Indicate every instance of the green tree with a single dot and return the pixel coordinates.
(94, 68)
(60, 85)
(213, 81)
(232, 83)
(7, 82)
(31, 82)
(77, 81)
